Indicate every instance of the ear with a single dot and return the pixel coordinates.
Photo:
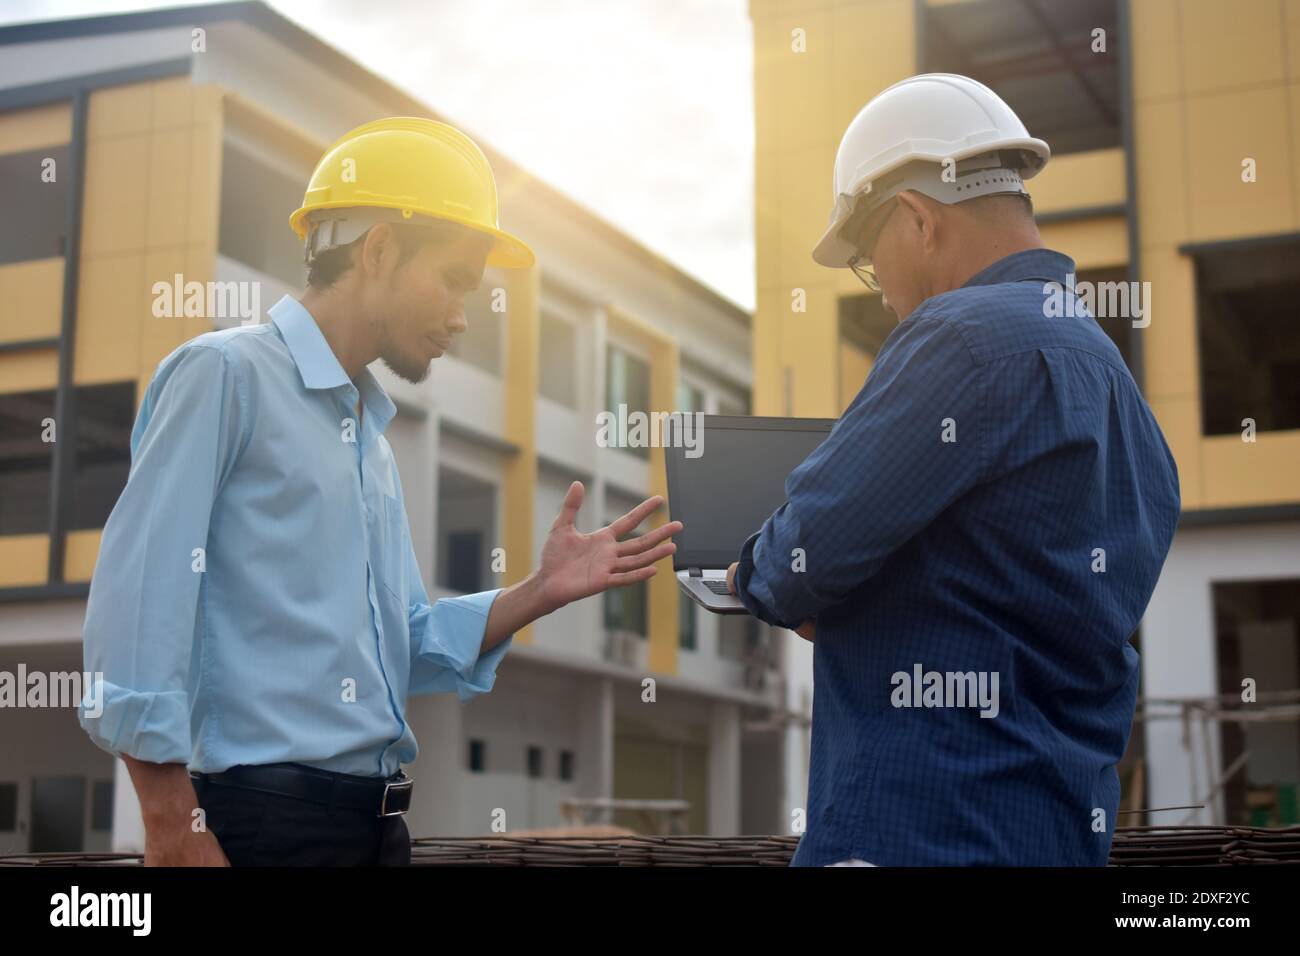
(924, 216)
(379, 246)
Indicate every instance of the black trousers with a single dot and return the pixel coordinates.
(267, 829)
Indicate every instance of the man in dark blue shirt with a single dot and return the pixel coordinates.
(974, 544)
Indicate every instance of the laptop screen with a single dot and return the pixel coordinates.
(724, 482)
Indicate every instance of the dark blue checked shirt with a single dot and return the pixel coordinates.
(979, 554)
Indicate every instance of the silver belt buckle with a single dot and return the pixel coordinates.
(402, 788)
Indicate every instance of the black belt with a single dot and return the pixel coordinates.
(385, 797)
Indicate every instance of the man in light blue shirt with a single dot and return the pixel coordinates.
(257, 610)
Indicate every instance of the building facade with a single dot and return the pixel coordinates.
(1175, 129)
(173, 146)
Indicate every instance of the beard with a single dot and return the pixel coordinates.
(405, 365)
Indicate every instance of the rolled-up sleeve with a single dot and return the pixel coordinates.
(447, 637)
(142, 613)
(907, 447)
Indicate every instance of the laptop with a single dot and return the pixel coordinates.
(723, 483)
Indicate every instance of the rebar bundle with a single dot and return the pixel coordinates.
(1132, 846)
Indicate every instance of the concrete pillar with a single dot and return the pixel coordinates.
(724, 769)
(435, 720)
(595, 756)
(128, 821)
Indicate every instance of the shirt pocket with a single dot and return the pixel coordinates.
(392, 569)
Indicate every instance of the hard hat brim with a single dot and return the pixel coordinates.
(508, 250)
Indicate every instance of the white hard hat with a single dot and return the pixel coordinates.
(909, 131)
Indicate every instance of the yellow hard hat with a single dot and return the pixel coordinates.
(405, 169)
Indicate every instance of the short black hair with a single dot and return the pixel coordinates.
(328, 267)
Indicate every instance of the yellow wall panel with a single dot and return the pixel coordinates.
(1262, 472)
(1169, 342)
(110, 359)
(1180, 421)
(810, 346)
(803, 81)
(24, 560)
(803, 211)
(1291, 10)
(172, 102)
(1223, 130)
(1079, 181)
(32, 293)
(1161, 172)
(120, 111)
(1157, 63)
(1095, 243)
(111, 298)
(169, 187)
(766, 347)
(521, 377)
(117, 195)
(22, 130)
(205, 183)
(29, 370)
(767, 221)
(1293, 102)
(662, 591)
(766, 52)
(857, 78)
(1227, 45)
(80, 550)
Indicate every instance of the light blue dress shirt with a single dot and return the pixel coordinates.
(256, 597)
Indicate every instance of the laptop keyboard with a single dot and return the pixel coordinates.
(716, 586)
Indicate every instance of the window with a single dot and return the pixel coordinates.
(101, 805)
(686, 633)
(101, 436)
(557, 378)
(738, 637)
(534, 762)
(256, 200)
(739, 405)
(1117, 327)
(477, 756)
(627, 382)
(865, 323)
(465, 561)
(566, 764)
(58, 814)
(1039, 56)
(690, 398)
(35, 212)
(105, 414)
(466, 526)
(1257, 636)
(8, 806)
(26, 462)
(1248, 336)
(625, 608)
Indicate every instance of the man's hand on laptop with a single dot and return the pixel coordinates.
(806, 630)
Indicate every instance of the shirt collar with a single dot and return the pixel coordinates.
(1044, 264)
(318, 365)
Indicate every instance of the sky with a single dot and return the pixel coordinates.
(641, 110)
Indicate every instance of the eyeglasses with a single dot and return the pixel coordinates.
(867, 274)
